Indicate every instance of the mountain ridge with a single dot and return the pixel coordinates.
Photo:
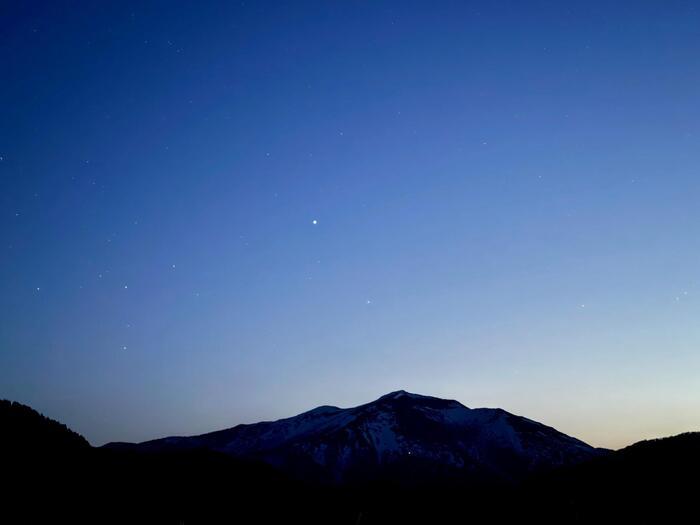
(56, 476)
(398, 432)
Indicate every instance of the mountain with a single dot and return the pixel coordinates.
(51, 474)
(401, 437)
(25, 429)
(653, 481)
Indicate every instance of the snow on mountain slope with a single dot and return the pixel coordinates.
(401, 436)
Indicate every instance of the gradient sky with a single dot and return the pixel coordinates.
(215, 213)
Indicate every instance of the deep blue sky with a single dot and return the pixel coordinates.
(505, 197)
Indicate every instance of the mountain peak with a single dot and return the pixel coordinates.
(403, 397)
(403, 393)
(397, 433)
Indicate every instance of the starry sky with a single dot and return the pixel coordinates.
(223, 212)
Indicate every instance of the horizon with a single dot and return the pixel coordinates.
(222, 214)
(356, 405)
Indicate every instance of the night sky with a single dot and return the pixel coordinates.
(216, 213)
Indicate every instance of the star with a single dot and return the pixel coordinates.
(314, 222)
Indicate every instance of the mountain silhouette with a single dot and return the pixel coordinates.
(25, 429)
(405, 437)
(653, 481)
(51, 474)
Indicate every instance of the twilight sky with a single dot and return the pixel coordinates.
(215, 213)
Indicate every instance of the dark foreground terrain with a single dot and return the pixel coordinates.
(51, 474)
